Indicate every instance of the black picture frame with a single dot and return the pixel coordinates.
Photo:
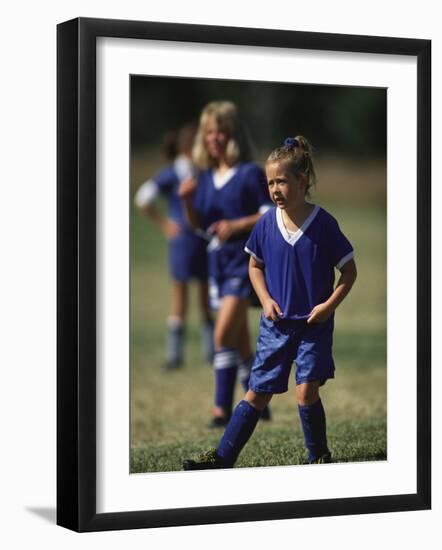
(76, 273)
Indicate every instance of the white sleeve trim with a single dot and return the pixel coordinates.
(264, 208)
(345, 259)
(254, 255)
(146, 194)
(183, 167)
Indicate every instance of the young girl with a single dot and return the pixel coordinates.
(226, 201)
(187, 251)
(294, 249)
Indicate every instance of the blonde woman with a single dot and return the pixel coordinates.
(225, 201)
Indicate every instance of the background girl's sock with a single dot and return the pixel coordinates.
(175, 341)
(225, 364)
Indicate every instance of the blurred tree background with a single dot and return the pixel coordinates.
(339, 119)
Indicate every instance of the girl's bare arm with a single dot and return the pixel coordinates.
(271, 309)
(186, 191)
(322, 312)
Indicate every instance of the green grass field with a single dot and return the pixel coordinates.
(170, 411)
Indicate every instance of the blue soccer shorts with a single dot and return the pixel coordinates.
(229, 286)
(187, 257)
(283, 342)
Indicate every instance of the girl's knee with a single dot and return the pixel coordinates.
(258, 400)
(223, 338)
(307, 393)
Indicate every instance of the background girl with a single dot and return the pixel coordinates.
(225, 201)
(187, 251)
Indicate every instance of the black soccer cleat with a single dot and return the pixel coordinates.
(206, 461)
(324, 459)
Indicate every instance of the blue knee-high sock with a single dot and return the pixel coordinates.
(225, 364)
(175, 340)
(314, 427)
(238, 432)
(207, 340)
(244, 368)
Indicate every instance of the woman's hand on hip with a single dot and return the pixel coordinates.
(224, 229)
(187, 187)
(171, 229)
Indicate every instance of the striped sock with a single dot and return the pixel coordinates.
(225, 364)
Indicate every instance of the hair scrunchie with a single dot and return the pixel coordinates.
(291, 143)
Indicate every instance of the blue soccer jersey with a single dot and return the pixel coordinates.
(239, 193)
(168, 182)
(299, 266)
(187, 251)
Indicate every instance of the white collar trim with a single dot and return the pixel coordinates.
(220, 180)
(293, 237)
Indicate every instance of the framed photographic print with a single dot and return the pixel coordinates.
(169, 136)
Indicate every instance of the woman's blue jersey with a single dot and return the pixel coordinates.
(241, 193)
(299, 267)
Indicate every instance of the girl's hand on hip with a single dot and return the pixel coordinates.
(171, 229)
(319, 314)
(271, 310)
(187, 187)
